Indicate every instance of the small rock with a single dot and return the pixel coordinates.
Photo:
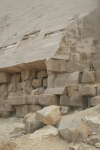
(97, 145)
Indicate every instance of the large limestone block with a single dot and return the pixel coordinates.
(66, 79)
(15, 78)
(49, 115)
(4, 89)
(73, 130)
(95, 101)
(97, 76)
(87, 90)
(34, 108)
(88, 77)
(33, 99)
(28, 75)
(8, 106)
(27, 87)
(42, 74)
(56, 91)
(32, 124)
(15, 94)
(12, 87)
(19, 100)
(78, 101)
(21, 111)
(20, 85)
(64, 100)
(56, 65)
(73, 91)
(78, 66)
(45, 82)
(48, 99)
(4, 77)
(51, 79)
(37, 82)
(96, 65)
(38, 91)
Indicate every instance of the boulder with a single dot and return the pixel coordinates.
(38, 91)
(15, 78)
(64, 100)
(88, 77)
(87, 90)
(42, 74)
(48, 99)
(97, 145)
(45, 82)
(20, 85)
(49, 115)
(27, 116)
(56, 91)
(4, 77)
(65, 110)
(46, 132)
(17, 129)
(73, 130)
(31, 124)
(37, 82)
(95, 101)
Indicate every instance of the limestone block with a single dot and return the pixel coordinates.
(97, 76)
(95, 101)
(15, 78)
(95, 57)
(31, 124)
(64, 100)
(3, 99)
(28, 75)
(20, 85)
(19, 100)
(88, 77)
(56, 91)
(96, 65)
(34, 108)
(65, 110)
(56, 65)
(98, 90)
(26, 117)
(8, 106)
(48, 99)
(27, 87)
(78, 66)
(42, 74)
(87, 90)
(45, 82)
(14, 94)
(49, 115)
(51, 79)
(21, 111)
(37, 82)
(38, 91)
(12, 87)
(66, 79)
(4, 113)
(78, 101)
(4, 77)
(73, 91)
(33, 99)
(4, 89)
(73, 130)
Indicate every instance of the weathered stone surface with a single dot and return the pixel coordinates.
(4, 77)
(51, 79)
(49, 115)
(98, 90)
(6, 145)
(27, 87)
(15, 78)
(48, 99)
(42, 74)
(96, 65)
(56, 65)
(20, 85)
(46, 132)
(12, 87)
(8, 106)
(45, 82)
(37, 82)
(34, 108)
(17, 129)
(4, 89)
(97, 76)
(4, 113)
(14, 94)
(73, 129)
(93, 123)
(56, 91)
(21, 111)
(78, 101)
(28, 75)
(19, 100)
(73, 91)
(65, 110)
(66, 79)
(97, 145)
(87, 90)
(33, 99)
(26, 117)
(92, 140)
(95, 101)
(88, 77)
(64, 100)
(78, 66)
(38, 91)
(32, 124)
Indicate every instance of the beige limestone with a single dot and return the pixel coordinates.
(45, 82)
(8, 106)
(87, 90)
(37, 82)
(34, 108)
(88, 77)
(65, 110)
(97, 76)
(4, 77)
(48, 99)
(73, 91)
(51, 79)
(19, 100)
(15, 78)
(12, 87)
(28, 75)
(42, 74)
(49, 115)
(38, 91)
(56, 91)
(64, 100)
(95, 101)
(21, 111)
(33, 99)
(27, 87)
(96, 65)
